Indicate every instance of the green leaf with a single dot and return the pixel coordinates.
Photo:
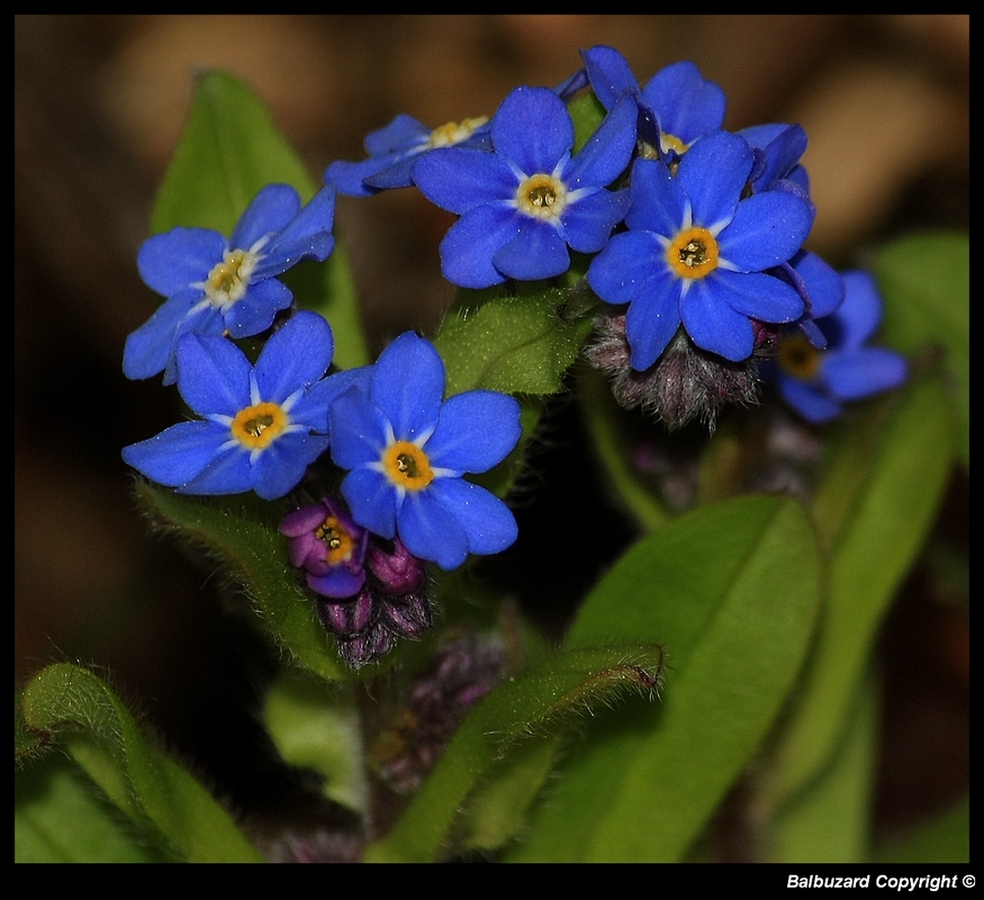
(552, 694)
(317, 727)
(498, 808)
(242, 533)
(831, 821)
(72, 706)
(925, 280)
(732, 592)
(514, 344)
(60, 816)
(229, 150)
(883, 485)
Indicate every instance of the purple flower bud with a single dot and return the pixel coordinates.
(398, 571)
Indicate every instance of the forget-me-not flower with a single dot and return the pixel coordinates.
(407, 449)
(696, 253)
(260, 425)
(395, 149)
(216, 285)
(677, 101)
(817, 383)
(525, 203)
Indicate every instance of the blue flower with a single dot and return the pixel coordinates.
(525, 203)
(695, 253)
(228, 286)
(260, 426)
(816, 383)
(677, 103)
(778, 152)
(407, 449)
(394, 151)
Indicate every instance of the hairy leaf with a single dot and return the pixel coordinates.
(73, 707)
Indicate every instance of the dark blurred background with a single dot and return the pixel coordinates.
(99, 105)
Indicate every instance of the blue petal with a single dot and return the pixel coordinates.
(652, 319)
(169, 262)
(408, 386)
(270, 211)
(256, 309)
(338, 583)
(824, 285)
(148, 349)
(459, 179)
(476, 431)
(606, 154)
(862, 373)
(860, 314)
(431, 531)
(783, 146)
(627, 262)
(402, 133)
(808, 401)
(297, 354)
(469, 245)
(533, 129)
(659, 202)
(348, 177)
(767, 229)
(686, 104)
(312, 408)
(279, 467)
(372, 500)
(588, 222)
(307, 236)
(714, 325)
(609, 73)
(178, 453)
(537, 251)
(487, 522)
(397, 175)
(755, 295)
(713, 172)
(228, 472)
(213, 375)
(358, 430)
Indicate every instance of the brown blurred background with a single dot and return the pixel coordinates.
(99, 105)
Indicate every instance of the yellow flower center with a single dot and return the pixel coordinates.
(258, 426)
(455, 132)
(668, 142)
(693, 253)
(336, 539)
(407, 466)
(228, 280)
(799, 357)
(541, 196)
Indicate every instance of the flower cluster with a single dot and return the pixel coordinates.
(688, 237)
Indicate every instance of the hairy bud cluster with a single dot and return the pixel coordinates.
(685, 383)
